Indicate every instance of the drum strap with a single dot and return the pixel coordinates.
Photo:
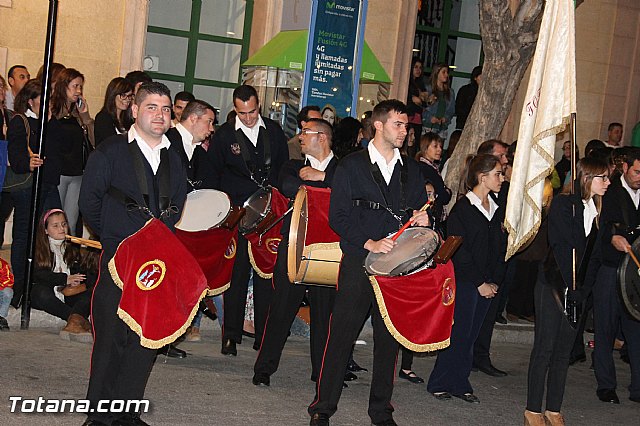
(377, 177)
(241, 139)
(164, 185)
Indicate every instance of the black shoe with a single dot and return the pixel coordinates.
(410, 376)
(354, 367)
(634, 398)
(208, 308)
(319, 419)
(256, 347)
(468, 397)
(90, 422)
(248, 334)
(442, 396)
(344, 385)
(388, 422)
(130, 420)
(349, 376)
(501, 319)
(261, 379)
(172, 352)
(608, 395)
(491, 370)
(229, 347)
(576, 359)
(4, 324)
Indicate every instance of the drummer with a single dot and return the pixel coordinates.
(375, 191)
(315, 170)
(244, 155)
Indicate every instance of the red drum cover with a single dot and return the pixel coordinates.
(418, 308)
(161, 282)
(263, 250)
(215, 252)
(318, 229)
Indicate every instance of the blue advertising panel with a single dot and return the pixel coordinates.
(334, 54)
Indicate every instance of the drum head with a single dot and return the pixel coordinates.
(257, 207)
(629, 282)
(204, 209)
(297, 234)
(414, 249)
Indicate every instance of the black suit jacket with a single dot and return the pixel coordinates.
(198, 160)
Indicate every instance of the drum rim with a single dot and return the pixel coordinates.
(247, 229)
(622, 286)
(428, 259)
(205, 190)
(293, 264)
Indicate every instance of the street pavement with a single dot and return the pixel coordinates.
(208, 388)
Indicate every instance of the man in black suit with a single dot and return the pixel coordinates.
(315, 170)
(129, 179)
(620, 214)
(374, 192)
(244, 155)
(195, 125)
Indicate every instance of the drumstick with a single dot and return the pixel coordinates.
(633, 256)
(406, 225)
(84, 241)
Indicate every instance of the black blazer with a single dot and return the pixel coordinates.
(198, 160)
(289, 181)
(111, 165)
(226, 169)
(353, 180)
(480, 258)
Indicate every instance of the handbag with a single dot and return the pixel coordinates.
(13, 181)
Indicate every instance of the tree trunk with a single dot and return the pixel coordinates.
(509, 36)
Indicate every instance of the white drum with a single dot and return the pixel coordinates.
(204, 209)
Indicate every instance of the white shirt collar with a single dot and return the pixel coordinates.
(634, 194)
(590, 213)
(251, 132)
(187, 140)
(31, 114)
(385, 168)
(477, 202)
(317, 164)
(152, 155)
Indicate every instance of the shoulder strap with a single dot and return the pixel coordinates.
(28, 130)
(164, 182)
(138, 167)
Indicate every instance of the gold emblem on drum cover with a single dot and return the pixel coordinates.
(231, 249)
(235, 148)
(272, 244)
(150, 274)
(448, 295)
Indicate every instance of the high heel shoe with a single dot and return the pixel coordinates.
(552, 418)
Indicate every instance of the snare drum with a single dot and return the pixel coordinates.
(414, 249)
(314, 250)
(204, 209)
(258, 211)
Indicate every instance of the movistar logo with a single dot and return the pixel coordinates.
(333, 5)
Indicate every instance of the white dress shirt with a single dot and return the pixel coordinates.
(152, 155)
(319, 165)
(385, 168)
(590, 213)
(253, 132)
(477, 202)
(187, 140)
(634, 194)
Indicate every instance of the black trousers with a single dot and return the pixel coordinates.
(453, 365)
(43, 298)
(608, 317)
(520, 301)
(482, 346)
(235, 298)
(354, 299)
(285, 302)
(552, 345)
(120, 366)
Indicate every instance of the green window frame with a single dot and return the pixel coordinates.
(193, 36)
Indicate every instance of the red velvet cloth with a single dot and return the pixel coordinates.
(318, 229)
(215, 252)
(418, 308)
(263, 250)
(162, 284)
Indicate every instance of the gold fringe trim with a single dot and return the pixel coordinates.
(259, 271)
(220, 290)
(428, 347)
(157, 344)
(537, 212)
(322, 246)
